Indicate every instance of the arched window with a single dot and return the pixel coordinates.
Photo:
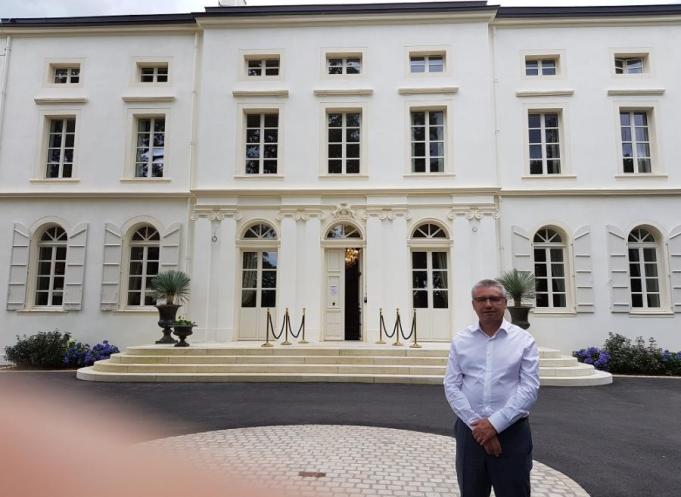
(428, 230)
(644, 279)
(259, 268)
(430, 285)
(549, 268)
(144, 260)
(260, 231)
(51, 267)
(343, 231)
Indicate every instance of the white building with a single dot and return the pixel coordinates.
(342, 159)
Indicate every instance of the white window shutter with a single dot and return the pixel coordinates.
(620, 295)
(675, 267)
(111, 272)
(75, 268)
(584, 287)
(170, 248)
(18, 268)
(521, 249)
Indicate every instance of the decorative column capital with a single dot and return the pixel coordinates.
(216, 213)
(388, 214)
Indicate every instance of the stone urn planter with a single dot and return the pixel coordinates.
(170, 287)
(182, 329)
(520, 316)
(167, 313)
(519, 285)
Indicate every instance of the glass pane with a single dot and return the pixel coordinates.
(644, 165)
(419, 279)
(626, 134)
(269, 279)
(436, 117)
(535, 151)
(419, 165)
(418, 118)
(61, 253)
(44, 283)
(540, 270)
(436, 64)
(535, 167)
(352, 166)
(557, 270)
(253, 120)
(352, 135)
(269, 260)
(531, 68)
(440, 299)
(335, 120)
(533, 120)
(558, 285)
(437, 149)
(641, 134)
(542, 285)
(41, 298)
(248, 298)
(636, 300)
(640, 119)
(269, 166)
(253, 135)
(352, 151)
(268, 298)
(551, 120)
(249, 279)
(559, 300)
(440, 279)
(335, 135)
(557, 254)
(335, 166)
(250, 260)
(552, 136)
(271, 120)
(252, 167)
(535, 136)
(271, 135)
(418, 260)
(636, 285)
(44, 268)
(58, 283)
(542, 300)
(420, 299)
(652, 285)
(439, 260)
(653, 300)
(553, 166)
(418, 149)
(628, 165)
(437, 165)
(417, 64)
(335, 151)
(270, 151)
(152, 252)
(252, 151)
(649, 254)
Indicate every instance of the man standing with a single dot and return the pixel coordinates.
(491, 383)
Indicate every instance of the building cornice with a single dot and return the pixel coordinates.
(94, 195)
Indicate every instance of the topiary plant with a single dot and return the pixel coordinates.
(172, 286)
(519, 285)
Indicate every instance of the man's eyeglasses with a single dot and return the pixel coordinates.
(491, 300)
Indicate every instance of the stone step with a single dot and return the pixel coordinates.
(296, 350)
(578, 370)
(269, 359)
(558, 362)
(90, 374)
(597, 378)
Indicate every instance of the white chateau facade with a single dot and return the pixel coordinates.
(342, 159)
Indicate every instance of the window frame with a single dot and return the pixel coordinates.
(447, 138)
(263, 58)
(563, 142)
(652, 140)
(54, 64)
(134, 115)
(564, 245)
(632, 53)
(427, 50)
(258, 245)
(241, 147)
(540, 59)
(34, 269)
(125, 268)
(139, 63)
(347, 107)
(343, 53)
(660, 263)
(152, 132)
(426, 55)
(45, 120)
(528, 55)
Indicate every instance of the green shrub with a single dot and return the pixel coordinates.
(42, 350)
(639, 357)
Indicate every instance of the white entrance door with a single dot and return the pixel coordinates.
(430, 294)
(334, 315)
(258, 293)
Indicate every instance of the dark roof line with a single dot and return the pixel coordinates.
(364, 8)
(591, 11)
(331, 9)
(98, 20)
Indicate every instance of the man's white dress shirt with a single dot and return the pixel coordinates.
(493, 377)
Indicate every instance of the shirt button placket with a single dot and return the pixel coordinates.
(489, 352)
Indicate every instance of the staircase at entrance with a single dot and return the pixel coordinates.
(342, 362)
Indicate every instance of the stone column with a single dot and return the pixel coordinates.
(200, 274)
(287, 269)
(310, 278)
(375, 273)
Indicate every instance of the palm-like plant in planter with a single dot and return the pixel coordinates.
(520, 286)
(172, 287)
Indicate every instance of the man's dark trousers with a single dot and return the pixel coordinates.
(508, 474)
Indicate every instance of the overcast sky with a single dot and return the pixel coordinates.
(56, 8)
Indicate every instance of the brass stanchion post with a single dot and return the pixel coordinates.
(398, 326)
(287, 323)
(267, 331)
(380, 327)
(414, 345)
(303, 341)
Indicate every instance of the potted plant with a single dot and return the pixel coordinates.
(173, 288)
(519, 286)
(183, 328)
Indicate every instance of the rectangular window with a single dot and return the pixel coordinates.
(547, 66)
(150, 147)
(428, 141)
(426, 63)
(66, 75)
(157, 73)
(261, 67)
(60, 144)
(544, 142)
(429, 280)
(344, 65)
(344, 131)
(635, 142)
(259, 279)
(262, 139)
(630, 65)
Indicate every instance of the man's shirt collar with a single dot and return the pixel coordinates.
(505, 327)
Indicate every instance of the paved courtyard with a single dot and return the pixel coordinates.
(620, 440)
(343, 461)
